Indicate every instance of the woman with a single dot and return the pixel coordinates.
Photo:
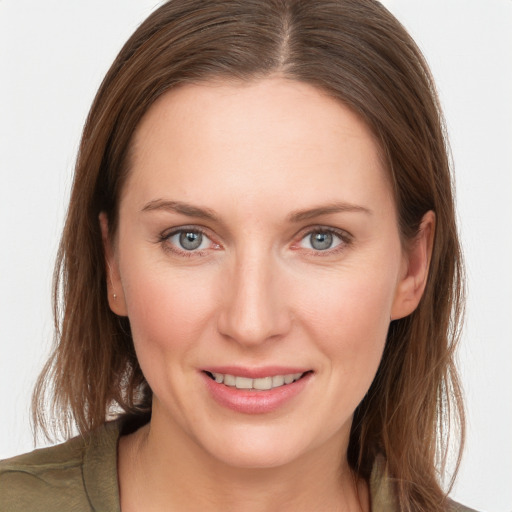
(260, 272)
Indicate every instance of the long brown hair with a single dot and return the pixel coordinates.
(356, 51)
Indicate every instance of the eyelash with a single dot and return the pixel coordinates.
(344, 237)
(167, 246)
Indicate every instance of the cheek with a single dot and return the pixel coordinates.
(349, 319)
(166, 310)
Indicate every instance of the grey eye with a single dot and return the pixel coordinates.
(190, 240)
(321, 241)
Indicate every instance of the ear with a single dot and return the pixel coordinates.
(114, 285)
(415, 269)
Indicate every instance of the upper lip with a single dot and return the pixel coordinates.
(256, 373)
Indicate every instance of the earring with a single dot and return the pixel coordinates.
(114, 296)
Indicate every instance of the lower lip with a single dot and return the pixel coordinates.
(255, 402)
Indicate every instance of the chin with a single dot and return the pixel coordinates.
(257, 448)
(252, 457)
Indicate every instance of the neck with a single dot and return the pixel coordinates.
(161, 470)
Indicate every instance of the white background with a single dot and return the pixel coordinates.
(53, 55)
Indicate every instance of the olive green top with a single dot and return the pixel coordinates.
(81, 476)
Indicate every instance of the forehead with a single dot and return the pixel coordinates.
(269, 135)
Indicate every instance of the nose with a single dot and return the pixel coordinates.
(254, 303)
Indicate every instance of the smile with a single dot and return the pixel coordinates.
(256, 390)
(259, 384)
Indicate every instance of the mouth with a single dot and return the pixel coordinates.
(258, 384)
(262, 390)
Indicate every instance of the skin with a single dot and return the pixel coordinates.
(256, 293)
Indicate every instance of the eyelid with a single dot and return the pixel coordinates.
(167, 234)
(345, 237)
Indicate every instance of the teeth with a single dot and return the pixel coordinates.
(229, 380)
(261, 384)
(243, 383)
(278, 380)
(265, 383)
(288, 379)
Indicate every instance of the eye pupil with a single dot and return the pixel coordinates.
(190, 240)
(321, 241)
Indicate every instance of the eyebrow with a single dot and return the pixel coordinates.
(296, 216)
(310, 213)
(180, 207)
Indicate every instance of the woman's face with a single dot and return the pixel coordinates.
(257, 245)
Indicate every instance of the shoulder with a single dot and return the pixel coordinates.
(457, 507)
(49, 477)
(382, 492)
(68, 476)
